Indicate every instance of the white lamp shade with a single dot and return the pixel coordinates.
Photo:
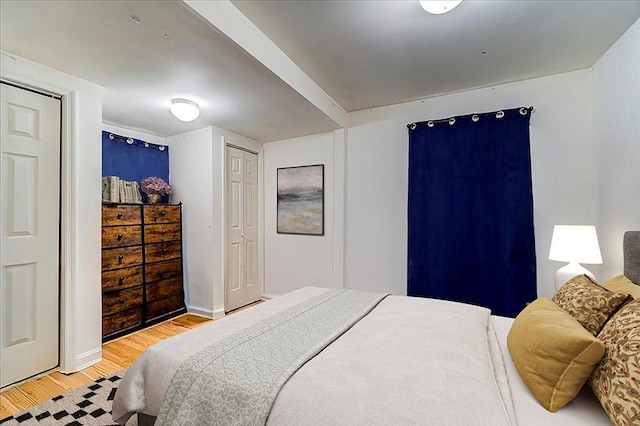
(573, 243)
(184, 110)
(438, 7)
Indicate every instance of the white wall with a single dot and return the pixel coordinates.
(295, 261)
(563, 172)
(191, 170)
(197, 170)
(616, 122)
(81, 336)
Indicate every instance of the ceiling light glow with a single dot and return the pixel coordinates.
(438, 7)
(184, 110)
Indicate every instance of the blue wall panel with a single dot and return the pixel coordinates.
(134, 161)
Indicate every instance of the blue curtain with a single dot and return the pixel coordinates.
(135, 160)
(471, 236)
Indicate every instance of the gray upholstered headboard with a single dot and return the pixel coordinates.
(631, 247)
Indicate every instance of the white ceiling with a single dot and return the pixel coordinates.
(373, 53)
(362, 53)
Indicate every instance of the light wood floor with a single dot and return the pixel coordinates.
(116, 355)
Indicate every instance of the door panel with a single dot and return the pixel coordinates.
(29, 222)
(253, 291)
(19, 291)
(242, 230)
(235, 255)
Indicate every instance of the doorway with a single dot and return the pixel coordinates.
(30, 142)
(242, 284)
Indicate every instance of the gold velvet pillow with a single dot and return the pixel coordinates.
(616, 380)
(588, 302)
(624, 285)
(552, 352)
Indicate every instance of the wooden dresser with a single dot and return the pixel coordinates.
(141, 266)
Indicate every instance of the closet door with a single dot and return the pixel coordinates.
(242, 285)
(29, 217)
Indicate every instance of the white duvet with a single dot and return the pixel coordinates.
(411, 361)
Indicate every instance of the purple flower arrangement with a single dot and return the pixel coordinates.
(155, 185)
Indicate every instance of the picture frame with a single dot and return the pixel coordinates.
(300, 200)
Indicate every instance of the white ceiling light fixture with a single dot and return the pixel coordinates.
(438, 7)
(184, 109)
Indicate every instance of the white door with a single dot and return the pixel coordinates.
(242, 286)
(29, 220)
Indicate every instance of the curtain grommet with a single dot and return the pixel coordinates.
(499, 114)
(475, 118)
(452, 121)
(430, 123)
(111, 136)
(412, 126)
(161, 147)
(523, 111)
(129, 141)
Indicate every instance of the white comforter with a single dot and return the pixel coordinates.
(410, 361)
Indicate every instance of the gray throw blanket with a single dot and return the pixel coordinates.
(235, 381)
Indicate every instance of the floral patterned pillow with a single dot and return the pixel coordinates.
(588, 302)
(616, 379)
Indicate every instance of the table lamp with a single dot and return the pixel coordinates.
(574, 244)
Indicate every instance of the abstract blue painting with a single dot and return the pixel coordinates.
(301, 200)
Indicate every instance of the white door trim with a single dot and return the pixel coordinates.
(31, 233)
(224, 138)
(248, 278)
(68, 209)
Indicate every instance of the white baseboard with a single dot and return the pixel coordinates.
(197, 310)
(89, 358)
(204, 312)
(218, 313)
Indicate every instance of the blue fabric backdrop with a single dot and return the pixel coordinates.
(471, 236)
(135, 161)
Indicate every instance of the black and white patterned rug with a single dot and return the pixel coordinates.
(88, 405)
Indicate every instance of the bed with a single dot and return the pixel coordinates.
(404, 361)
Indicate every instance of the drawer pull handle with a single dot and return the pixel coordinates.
(121, 280)
(119, 237)
(120, 257)
(119, 215)
(121, 323)
(163, 213)
(164, 251)
(122, 300)
(159, 274)
(164, 231)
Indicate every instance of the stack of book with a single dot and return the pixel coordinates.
(115, 190)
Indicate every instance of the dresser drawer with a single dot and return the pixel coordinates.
(121, 236)
(164, 289)
(164, 306)
(163, 271)
(161, 214)
(162, 251)
(121, 278)
(121, 257)
(121, 321)
(120, 215)
(121, 300)
(160, 233)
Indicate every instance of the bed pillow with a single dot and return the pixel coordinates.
(622, 284)
(552, 352)
(616, 379)
(588, 302)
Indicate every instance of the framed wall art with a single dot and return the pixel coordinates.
(301, 200)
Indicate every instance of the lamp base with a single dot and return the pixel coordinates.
(569, 271)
